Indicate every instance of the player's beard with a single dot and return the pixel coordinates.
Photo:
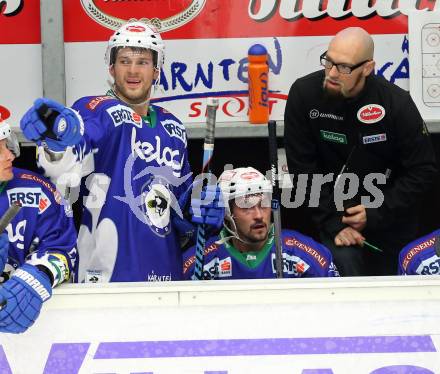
(253, 237)
(136, 97)
(340, 93)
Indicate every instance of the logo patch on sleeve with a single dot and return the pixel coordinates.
(30, 197)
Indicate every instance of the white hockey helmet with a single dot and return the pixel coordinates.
(242, 182)
(136, 34)
(11, 139)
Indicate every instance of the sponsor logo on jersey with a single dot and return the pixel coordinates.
(175, 129)
(429, 266)
(153, 277)
(92, 104)
(376, 138)
(293, 242)
(93, 276)
(123, 114)
(49, 186)
(371, 113)
(155, 152)
(114, 14)
(292, 265)
(191, 260)
(314, 114)
(29, 197)
(334, 137)
(218, 268)
(416, 250)
(225, 268)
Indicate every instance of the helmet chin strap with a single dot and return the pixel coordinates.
(233, 232)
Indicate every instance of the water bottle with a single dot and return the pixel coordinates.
(258, 84)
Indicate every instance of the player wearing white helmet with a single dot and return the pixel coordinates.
(37, 240)
(136, 155)
(245, 248)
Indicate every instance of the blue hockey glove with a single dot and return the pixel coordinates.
(53, 123)
(209, 208)
(21, 298)
(4, 249)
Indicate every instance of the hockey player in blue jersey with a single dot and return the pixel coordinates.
(37, 249)
(422, 256)
(245, 248)
(132, 159)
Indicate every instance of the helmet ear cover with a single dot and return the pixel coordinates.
(11, 139)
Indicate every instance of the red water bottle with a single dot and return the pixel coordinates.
(258, 84)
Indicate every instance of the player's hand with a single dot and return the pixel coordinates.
(349, 236)
(4, 249)
(66, 130)
(208, 209)
(356, 217)
(21, 298)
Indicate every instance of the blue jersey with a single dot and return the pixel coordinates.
(139, 169)
(302, 257)
(42, 233)
(420, 257)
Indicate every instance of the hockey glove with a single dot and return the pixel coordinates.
(53, 123)
(209, 208)
(21, 298)
(4, 249)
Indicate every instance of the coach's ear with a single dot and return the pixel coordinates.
(368, 68)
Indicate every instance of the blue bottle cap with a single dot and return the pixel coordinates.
(257, 49)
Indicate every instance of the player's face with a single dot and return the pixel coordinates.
(6, 158)
(134, 74)
(341, 85)
(252, 217)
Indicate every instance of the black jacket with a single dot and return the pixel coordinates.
(385, 133)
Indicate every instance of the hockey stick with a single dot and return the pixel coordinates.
(437, 245)
(9, 215)
(276, 208)
(208, 150)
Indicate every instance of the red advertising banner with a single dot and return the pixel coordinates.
(20, 22)
(206, 19)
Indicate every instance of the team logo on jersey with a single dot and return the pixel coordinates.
(113, 14)
(429, 266)
(29, 197)
(123, 114)
(157, 198)
(376, 138)
(175, 129)
(371, 113)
